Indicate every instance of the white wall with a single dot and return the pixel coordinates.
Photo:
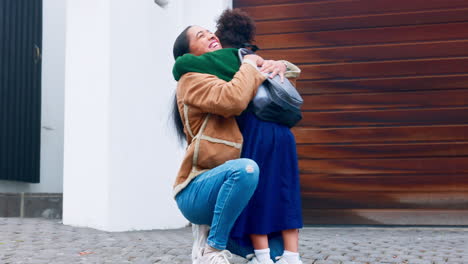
(53, 60)
(121, 154)
(147, 153)
(86, 129)
(203, 13)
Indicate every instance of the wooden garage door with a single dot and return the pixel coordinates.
(384, 139)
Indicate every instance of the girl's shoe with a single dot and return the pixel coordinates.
(281, 260)
(254, 260)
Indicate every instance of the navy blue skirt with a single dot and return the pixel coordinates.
(276, 204)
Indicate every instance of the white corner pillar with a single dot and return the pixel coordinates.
(120, 151)
(87, 164)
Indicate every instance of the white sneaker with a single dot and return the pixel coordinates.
(214, 257)
(281, 260)
(200, 234)
(254, 260)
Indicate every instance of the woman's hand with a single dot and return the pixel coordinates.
(274, 67)
(254, 58)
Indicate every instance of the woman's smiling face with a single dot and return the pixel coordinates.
(202, 41)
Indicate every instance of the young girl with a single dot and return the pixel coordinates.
(274, 210)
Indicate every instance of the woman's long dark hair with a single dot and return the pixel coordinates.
(181, 47)
(235, 28)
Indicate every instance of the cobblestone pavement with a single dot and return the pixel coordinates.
(48, 241)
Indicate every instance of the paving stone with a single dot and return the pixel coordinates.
(418, 261)
(326, 262)
(339, 258)
(43, 241)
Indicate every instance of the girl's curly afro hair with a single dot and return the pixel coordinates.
(235, 28)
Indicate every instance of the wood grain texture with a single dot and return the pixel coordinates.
(418, 99)
(430, 133)
(385, 68)
(316, 9)
(428, 183)
(355, 151)
(438, 165)
(385, 216)
(409, 199)
(245, 3)
(383, 84)
(386, 117)
(405, 51)
(384, 135)
(363, 21)
(367, 36)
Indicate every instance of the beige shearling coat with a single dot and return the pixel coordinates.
(208, 106)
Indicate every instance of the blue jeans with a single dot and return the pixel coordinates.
(218, 196)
